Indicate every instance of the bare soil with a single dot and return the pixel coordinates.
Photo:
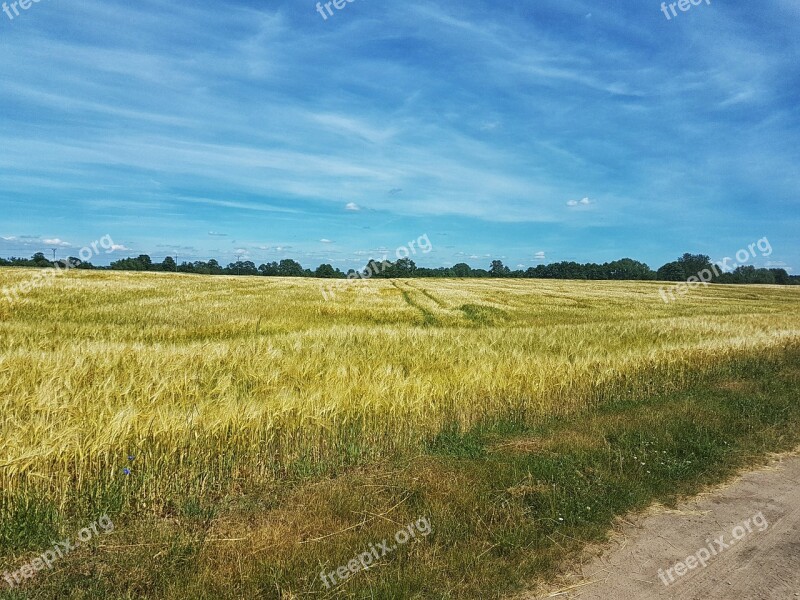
(762, 564)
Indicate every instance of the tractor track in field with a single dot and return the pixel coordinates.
(430, 296)
(428, 318)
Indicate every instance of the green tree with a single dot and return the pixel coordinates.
(672, 271)
(498, 269)
(694, 263)
(627, 268)
(290, 268)
(462, 270)
(39, 260)
(326, 272)
(781, 276)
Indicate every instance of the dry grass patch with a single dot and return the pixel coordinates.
(737, 385)
(571, 440)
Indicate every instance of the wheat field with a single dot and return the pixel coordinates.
(172, 376)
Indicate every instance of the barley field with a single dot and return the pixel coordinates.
(179, 380)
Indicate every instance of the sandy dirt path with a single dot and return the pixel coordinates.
(762, 508)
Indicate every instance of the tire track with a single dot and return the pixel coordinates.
(428, 318)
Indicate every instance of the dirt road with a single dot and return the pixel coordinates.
(741, 541)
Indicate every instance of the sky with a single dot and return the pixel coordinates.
(530, 132)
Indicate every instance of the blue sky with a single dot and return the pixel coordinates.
(527, 131)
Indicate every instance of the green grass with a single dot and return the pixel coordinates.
(507, 503)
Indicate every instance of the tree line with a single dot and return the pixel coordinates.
(683, 268)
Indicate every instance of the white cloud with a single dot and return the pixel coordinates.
(355, 128)
(581, 202)
(539, 256)
(115, 247)
(326, 241)
(352, 206)
(215, 234)
(10, 238)
(56, 242)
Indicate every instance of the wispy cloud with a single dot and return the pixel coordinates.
(56, 242)
(180, 122)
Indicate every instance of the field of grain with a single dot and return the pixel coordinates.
(105, 376)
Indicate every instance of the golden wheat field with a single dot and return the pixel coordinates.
(257, 373)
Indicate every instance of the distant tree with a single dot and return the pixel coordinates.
(462, 270)
(537, 272)
(325, 271)
(781, 276)
(77, 263)
(695, 263)
(144, 260)
(498, 269)
(405, 267)
(438, 272)
(169, 264)
(672, 271)
(39, 260)
(290, 268)
(688, 265)
(748, 274)
(269, 269)
(140, 263)
(565, 270)
(242, 267)
(378, 269)
(214, 267)
(627, 268)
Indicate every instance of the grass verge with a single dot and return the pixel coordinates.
(507, 504)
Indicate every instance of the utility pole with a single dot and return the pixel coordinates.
(238, 263)
(54, 254)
